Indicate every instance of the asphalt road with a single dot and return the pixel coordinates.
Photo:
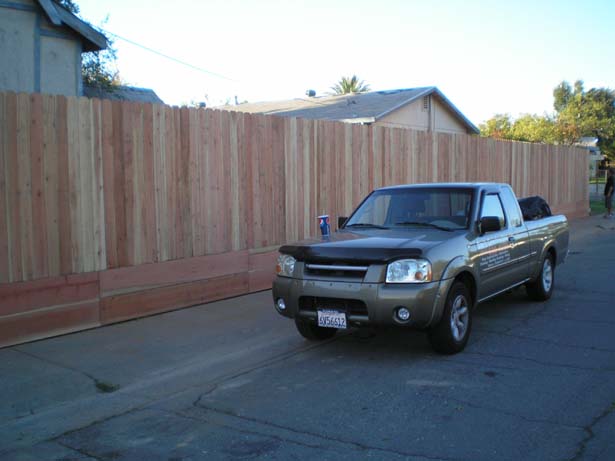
(233, 380)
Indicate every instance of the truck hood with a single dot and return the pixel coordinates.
(367, 246)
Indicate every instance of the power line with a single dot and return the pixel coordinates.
(151, 50)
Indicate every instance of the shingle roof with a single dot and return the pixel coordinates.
(123, 93)
(59, 16)
(354, 108)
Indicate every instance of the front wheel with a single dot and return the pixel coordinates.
(542, 288)
(313, 332)
(451, 334)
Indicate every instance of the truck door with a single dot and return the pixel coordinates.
(493, 249)
(519, 237)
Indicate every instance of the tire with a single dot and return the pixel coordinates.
(451, 334)
(313, 332)
(542, 288)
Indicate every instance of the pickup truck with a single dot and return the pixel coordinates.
(422, 257)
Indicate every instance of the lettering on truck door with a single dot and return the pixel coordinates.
(493, 249)
(519, 237)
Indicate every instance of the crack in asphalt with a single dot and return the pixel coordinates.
(505, 412)
(545, 315)
(58, 438)
(521, 321)
(215, 384)
(81, 451)
(245, 431)
(553, 343)
(101, 386)
(589, 432)
(357, 446)
(539, 362)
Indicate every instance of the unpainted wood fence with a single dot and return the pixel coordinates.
(111, 210)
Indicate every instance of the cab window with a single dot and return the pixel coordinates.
(514, 213)
(493, 207)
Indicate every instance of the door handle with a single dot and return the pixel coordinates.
(512, 239)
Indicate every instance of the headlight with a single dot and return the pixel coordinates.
(409, 271)
(285, 266)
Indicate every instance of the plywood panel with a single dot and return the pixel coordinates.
(17, 298)
(45, 323)
(132, 305)
(173, 272)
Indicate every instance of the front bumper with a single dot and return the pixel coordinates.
(425, 301)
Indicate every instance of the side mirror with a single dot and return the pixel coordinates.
(341, 220)
(489, 224)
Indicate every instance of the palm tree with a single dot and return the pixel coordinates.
(350, 85)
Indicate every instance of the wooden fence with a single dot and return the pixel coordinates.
(112, 210)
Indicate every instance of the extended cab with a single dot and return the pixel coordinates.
(419, 256)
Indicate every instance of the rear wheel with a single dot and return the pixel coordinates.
(313, 332)
(451, 334)
(542, 288)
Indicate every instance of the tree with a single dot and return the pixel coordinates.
(561, 96)
(70, 5)
(98, 68)
(578, 113)
(588, 113)
(528, 127)
(348, 85)
(499, 127)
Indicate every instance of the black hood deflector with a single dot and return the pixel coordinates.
(352, 248)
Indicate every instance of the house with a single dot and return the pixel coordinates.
(417, 108)
(41, 45)
(595, 155)
(122, 93)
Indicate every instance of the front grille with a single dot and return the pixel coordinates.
(336, 270)
(350, 306)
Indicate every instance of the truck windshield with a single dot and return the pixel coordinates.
(441, 208)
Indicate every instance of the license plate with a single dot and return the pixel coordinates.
(331, 319)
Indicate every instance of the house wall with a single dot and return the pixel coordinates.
(444, 120)
(17, 49)
(437, 117)
(37, 56)
(409, 116)
(60, 66)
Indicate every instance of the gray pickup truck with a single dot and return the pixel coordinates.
(419, 256)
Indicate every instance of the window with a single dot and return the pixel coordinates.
(493, 207)
(512, 205)
(417, 206)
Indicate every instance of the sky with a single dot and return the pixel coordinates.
(487, 57)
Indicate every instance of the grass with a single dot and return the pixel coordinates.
(597, 207)
(597, 181)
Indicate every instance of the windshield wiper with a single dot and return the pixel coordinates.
(365, 224)
(424, 224)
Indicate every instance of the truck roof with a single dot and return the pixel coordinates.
(449, 185)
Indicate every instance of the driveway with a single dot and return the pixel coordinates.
(233, 380)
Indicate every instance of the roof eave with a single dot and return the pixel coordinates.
(458, 113)
(50, 11)
(93, 40)
(429, 90)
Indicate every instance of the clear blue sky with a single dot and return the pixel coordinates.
(488, 57)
